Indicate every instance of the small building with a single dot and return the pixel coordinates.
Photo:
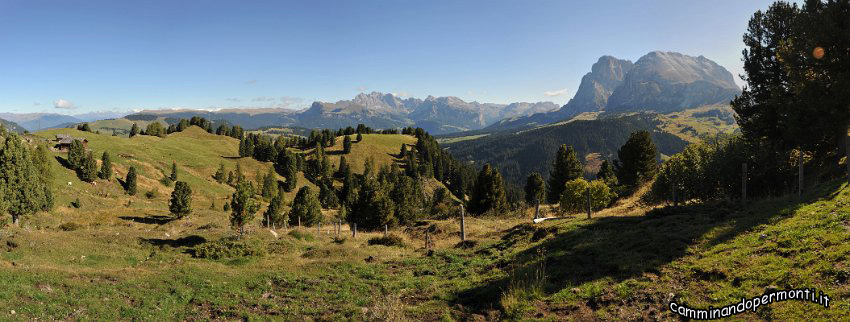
(63, 142)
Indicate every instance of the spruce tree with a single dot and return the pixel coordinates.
(374, 208)
(76, 154)
(269, 185)
(22, 189)
(535, 188)
(180, 204)
(606, 174)
(566, 167)
(636, 162)
(407, 196)
(489, 193)
(274, 213)
(346, 145)
(88, 171)
(130, 181)
(307, 207)
(134, 130)
(42, 161)
(327, 195)
(243, 206)
(173, 175)
(287, 162)
(220, 175)
(343, 167)
(105, 167)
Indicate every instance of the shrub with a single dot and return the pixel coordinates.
(301, 235)
(389, 240)
(70, 226)
(166, 181)
(151, 194)
(574, 197)
(76, 203)
(228, 248)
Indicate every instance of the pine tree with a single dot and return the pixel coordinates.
(566, 167)
(105, 167)
(274, 213)
(489, 193)
(180, 204)
(289, 170)
(230, 178)
(343, 168)
(606, 174)
(243, 206)
(88, 171)
(373, 208)
(42, 161)
(134, 130)
(636, 162)
(173, 175)
(346, 145)
(130, 181)
(22, 189)
(220, 175)
(407, 196)
(269, 185)
(307, 207)
(327, 195)
(76, 155)
(535, 188)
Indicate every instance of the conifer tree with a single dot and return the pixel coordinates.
(306, 206)
(343, 167)
(346, 145)
(173, 171)
(636, 161)
(76, 154)
(274, 213)
(489, 193)
(269, 185)
(535, 189)
(230, 178)
(566, 167)
(289, 170)
(243, 206)
(327, 195)
(42, 162)
(407, 196)
(606, 174)
(220, 175)
(105, 167)
(180, 204)
(88, 171)
(373, 208)
(359, 137)
(134, 130)
(22, 189)
(130, 181)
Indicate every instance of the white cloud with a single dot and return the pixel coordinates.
(263, 99)
(361, 88)
(556, 92)
(403, 94)
(63, 104)
(232, 99)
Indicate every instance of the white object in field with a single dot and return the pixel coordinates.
(69, 183)
(539, 220)
(273, 233)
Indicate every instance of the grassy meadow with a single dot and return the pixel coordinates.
(121, 258)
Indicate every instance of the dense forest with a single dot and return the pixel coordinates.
(517, 155)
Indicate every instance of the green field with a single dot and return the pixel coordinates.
(118, 258)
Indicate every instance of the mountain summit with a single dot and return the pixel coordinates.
(658, 82)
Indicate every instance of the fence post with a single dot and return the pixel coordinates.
(462, 224)
(847, 150)
(299, 222)
(354, 231)
(800, 184)
(588, 202)
(385, 230)
(536, 208)
(744, 182)
(318, 228)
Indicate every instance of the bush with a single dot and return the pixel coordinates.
(301, 235)
(228, 248)
(166, 181)
(574, 198)
(389, 240)
(76, 203)
(70, 226)
(151, 194)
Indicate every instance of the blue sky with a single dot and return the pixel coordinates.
(80, 56)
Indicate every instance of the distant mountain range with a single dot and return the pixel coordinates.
(434, 114)
(660, 82)
(40, 121)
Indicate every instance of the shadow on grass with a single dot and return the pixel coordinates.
(188, 241)
(620, 248)
(151, 220)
